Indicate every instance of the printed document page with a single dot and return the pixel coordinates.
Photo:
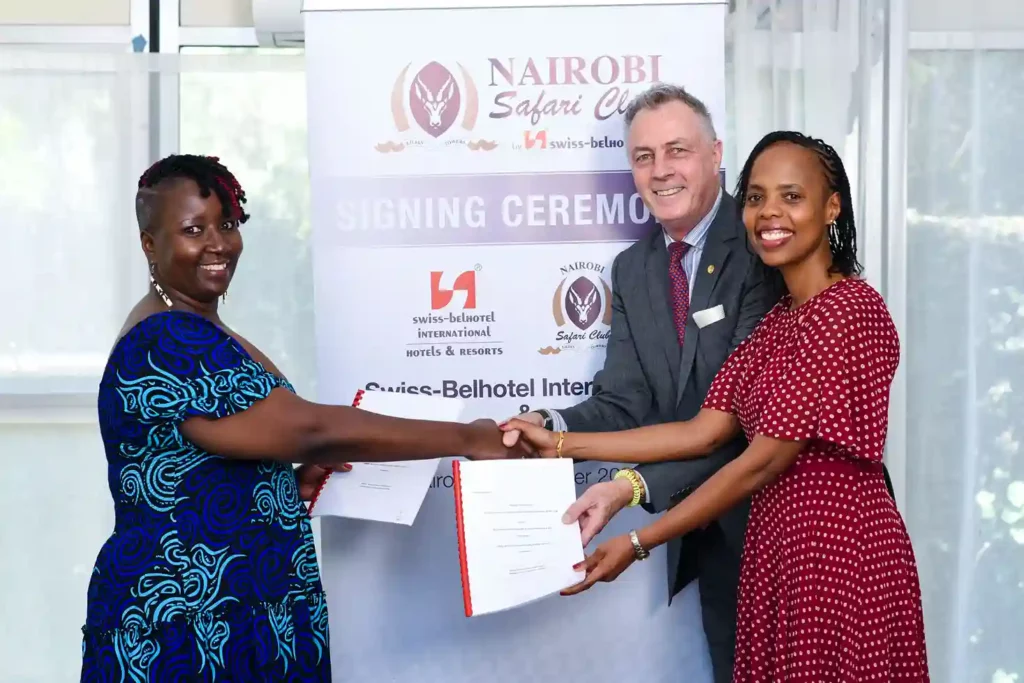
(387, 491)
(514, 547)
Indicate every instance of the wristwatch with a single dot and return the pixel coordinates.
(638, 550)
(549, 422)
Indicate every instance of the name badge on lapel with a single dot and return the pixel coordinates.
(708, 316)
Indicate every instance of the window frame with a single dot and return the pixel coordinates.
(889, 238)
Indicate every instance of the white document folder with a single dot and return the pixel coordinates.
(514, 547)
(386, 491)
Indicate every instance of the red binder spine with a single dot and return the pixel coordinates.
(323, 482)
(460, 530)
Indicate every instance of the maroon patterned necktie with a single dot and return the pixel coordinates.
(680, 287)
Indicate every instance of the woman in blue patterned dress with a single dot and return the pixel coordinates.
(210, 573)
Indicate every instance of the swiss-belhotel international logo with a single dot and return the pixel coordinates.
(581, 309)
(453, 323)
(434, 105)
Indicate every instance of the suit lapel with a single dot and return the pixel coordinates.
(658, 289)
(718, 246)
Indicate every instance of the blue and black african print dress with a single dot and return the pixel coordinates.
(210, 573)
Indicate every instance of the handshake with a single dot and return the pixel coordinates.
(522, 436)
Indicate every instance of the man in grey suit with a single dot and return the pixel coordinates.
(682, 299)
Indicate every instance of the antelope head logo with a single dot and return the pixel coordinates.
(582, 303)
(434, 103)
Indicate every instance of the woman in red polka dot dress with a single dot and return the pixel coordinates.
(829, 586)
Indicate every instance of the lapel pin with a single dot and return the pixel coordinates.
(711, 269)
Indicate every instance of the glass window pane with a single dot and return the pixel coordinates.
(248, 107)
(964, 358)
(66, 200)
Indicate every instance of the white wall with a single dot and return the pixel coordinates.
(118, 12)
(67, 12)
(216, 12)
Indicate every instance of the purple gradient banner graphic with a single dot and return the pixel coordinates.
(485, 209)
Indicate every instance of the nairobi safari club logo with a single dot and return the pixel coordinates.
(434, 100)
(581, 308)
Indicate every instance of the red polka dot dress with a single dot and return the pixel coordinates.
(829, 588)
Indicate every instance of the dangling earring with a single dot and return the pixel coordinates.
(157, 287)
(224, 298)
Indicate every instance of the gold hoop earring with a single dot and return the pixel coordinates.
(156, 286)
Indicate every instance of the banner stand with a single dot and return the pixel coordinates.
(470, 190)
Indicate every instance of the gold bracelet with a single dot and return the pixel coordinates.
(558, 446)
(635, 482)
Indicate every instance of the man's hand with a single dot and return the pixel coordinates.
(598, 504)
(511, 437)
(533, 440)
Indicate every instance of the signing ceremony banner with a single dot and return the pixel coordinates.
(470, 190)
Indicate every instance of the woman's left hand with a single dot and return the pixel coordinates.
(605, 564)
(309, 477)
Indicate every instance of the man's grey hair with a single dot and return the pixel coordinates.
(663, 93)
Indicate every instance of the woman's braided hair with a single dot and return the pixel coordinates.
(207, 172)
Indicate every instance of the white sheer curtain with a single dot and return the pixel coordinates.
(818, 67)
(964, 348)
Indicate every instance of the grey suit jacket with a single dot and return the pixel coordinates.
(648, 379)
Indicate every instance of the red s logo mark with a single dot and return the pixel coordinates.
(465, 282)
(530, 139)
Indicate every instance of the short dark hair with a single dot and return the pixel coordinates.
(842, 234)
(207, 172)
(663, 93)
